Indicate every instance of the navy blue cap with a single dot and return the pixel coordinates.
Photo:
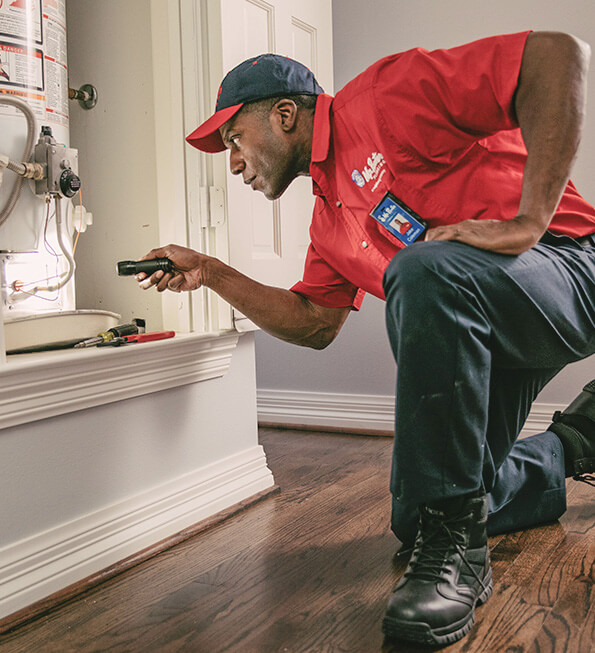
(258, 78)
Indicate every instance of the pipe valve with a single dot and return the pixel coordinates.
(60, 164)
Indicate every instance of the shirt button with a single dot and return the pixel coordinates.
(338, 204)
(364, 244)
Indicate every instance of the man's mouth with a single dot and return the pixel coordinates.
(250, 181)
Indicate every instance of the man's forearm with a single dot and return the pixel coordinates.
(282, 313)
(550, 106)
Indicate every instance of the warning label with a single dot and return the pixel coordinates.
(39, 75)
(21, 67)
(55, 10)
(56, 93)
(21, 17)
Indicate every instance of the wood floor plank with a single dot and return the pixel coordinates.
(563, 629)
(310, 570)
(505, 623)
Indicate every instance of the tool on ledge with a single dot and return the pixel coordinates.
(105, 336)
(141, 323)
(128, 268)
(140, 337)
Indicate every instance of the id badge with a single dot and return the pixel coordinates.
(399, 219)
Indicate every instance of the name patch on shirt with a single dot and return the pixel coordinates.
(397, 218)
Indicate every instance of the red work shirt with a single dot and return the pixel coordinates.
(436, 129)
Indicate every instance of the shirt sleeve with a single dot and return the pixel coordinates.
(448, 99)
(322, 285)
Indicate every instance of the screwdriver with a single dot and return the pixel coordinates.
(141, 337)
(105, 336)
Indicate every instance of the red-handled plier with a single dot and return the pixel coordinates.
(147, 337)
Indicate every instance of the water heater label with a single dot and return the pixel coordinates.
(33, 58)
(20, 67)
(18, 17)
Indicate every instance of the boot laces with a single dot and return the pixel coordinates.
(432, 550)
(589, 479)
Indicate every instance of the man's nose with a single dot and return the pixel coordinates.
(236, 162)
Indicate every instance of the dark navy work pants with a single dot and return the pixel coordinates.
(476, 335)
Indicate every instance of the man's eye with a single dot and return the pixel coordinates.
(234, 140)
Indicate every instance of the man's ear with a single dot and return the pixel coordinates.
(284, 113)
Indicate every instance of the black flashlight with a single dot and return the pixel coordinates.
(128, 268)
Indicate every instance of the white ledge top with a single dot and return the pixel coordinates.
(37, 386)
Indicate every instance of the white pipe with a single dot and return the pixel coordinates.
(65, 277)
(27, 153)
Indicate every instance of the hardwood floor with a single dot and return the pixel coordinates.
(310, 570)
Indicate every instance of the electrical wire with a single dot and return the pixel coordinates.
(63, 277)
(66, 276)
(34, 294)
(21, 289)
(47, 245)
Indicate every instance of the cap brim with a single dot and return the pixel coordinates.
(207, 137)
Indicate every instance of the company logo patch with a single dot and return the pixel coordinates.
(373, 171)
(373, 165)
(358, 178)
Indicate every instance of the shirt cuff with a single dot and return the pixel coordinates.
(330, 297)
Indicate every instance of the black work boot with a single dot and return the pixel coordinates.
(448, 574)
(575, 427)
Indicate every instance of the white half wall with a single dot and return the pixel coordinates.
(84, 490)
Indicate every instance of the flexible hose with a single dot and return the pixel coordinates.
(19, 168)
(67, 276)
(27, 153)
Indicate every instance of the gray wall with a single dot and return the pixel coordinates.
(360, 361)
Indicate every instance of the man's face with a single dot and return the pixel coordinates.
(260, 151)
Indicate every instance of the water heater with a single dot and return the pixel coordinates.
(35, 244)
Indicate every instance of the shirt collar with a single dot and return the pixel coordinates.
(322, 128)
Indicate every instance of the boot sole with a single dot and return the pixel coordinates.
(421, 633)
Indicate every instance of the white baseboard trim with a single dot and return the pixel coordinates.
(39, 566)
(356, 412)
(540, 418)
(326, 410)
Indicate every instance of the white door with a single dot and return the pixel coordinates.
(268, 240)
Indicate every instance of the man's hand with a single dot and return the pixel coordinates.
(282, 313)
(189, 273)
(503, 236)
